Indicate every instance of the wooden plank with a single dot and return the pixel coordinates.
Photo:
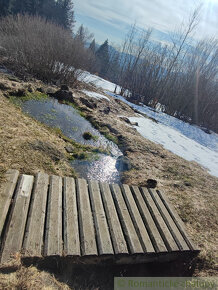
(162, 227)
(119, 243)
(87, 231)
(6, 194)
(53, 237)
(137, 220)
(33, 241)
(125, 220)
(103, 236)
(14, 236)
(71, 228)
(177, 220)
(154, 234)
(169, 221)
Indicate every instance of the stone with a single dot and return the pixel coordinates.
(125, 119)
(134, 123)
(50, 91)
(88, 103)
(64, 88)
(151, 183)
(123, 163)
(63, 95)
(18, 93)
(41, 90)
(107, 110)
(69, 149)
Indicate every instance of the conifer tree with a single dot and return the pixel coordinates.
(59, 11)
(102, 55)
(92, 46)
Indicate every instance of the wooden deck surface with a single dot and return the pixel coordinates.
(88, 221)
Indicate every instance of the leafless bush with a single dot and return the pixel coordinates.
(42, 49)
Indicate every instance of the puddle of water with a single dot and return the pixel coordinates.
(65, 117)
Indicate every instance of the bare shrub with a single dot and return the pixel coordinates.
(42, 49)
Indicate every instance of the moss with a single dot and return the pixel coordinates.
(80, 151)
(110, 137)
(89, 136)
(29, 96)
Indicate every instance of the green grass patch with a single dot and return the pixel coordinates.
(110, 137)
(29, 96)
(79, 149)
(88, 136)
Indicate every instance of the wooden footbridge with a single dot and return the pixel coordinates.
(87, 222)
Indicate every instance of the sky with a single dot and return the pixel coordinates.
(111, 19)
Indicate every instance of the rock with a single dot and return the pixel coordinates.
(125, 119)
(123, 163)
(18, 93)
(129, 122)
(63, 95)
(89, 103)
(29, 88)
(41, 90)
(69, 149)
(107, 110)
(49, 91)
(187, 183)
(134, 123)
(4, 86)
(151, 183)
(206, 130)
(87, 136)
(64, 88)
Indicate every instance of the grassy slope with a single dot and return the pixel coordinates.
(19, 147)
(191, 189)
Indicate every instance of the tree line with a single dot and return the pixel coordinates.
(180, 76)
(58, 11)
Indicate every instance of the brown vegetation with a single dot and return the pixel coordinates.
(27, 145)
(32, 45)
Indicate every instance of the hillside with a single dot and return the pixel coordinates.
(30, 146)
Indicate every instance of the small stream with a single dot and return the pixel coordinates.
(65, 117)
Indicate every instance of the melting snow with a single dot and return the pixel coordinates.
(185, 140)
(95, 95)
(99, 82)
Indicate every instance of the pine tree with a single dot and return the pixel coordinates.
(92, 46)
(59, 11)
(102, 55)
(4, 7)
(80, 35)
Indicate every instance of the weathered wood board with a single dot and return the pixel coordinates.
(88, 221)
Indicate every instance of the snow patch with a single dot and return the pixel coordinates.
(99, 82)
(95, 95)
(185, 140)
(177, 143)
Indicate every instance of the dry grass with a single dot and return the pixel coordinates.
(20, 136)
(189, 187)
(30, 278)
